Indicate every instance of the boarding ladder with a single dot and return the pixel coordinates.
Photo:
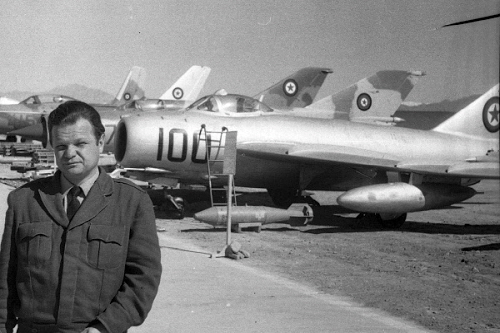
(221, 163)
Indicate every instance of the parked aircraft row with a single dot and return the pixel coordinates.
(291, 144)
(386, 171)
(373, 99)
(131, 96)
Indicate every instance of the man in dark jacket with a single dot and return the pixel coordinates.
(80, 251)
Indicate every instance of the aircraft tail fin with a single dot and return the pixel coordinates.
(132, 88)
(189, 85)
(373, 99)
(479, 119)
(296, 90)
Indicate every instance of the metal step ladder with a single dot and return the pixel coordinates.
(221, 163)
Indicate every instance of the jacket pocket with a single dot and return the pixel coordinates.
(105, 249)
(35, 243)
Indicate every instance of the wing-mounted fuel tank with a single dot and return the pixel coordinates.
(399, 198)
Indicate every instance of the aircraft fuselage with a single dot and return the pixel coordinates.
(171, 141)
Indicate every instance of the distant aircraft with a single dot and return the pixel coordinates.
(132, 88)
(307, 82)
(374, 99)
(371, 100)
(28, 114)
(29, 111)
(182, 93)
(385, 171)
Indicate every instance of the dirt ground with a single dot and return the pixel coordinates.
(441, 269)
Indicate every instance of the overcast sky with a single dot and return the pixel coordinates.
(248, 44)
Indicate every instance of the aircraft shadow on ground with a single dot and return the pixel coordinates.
(222, 229)
(478, 203)
(209, 230)
(325, 217)
(487, 247)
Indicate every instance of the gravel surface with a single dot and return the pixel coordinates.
(441, 269)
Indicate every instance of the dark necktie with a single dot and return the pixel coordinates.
(73, 203)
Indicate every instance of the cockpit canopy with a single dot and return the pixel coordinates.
(154, 104)
(47, 98)
(230, 104)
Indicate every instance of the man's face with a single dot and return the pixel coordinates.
(76, 150)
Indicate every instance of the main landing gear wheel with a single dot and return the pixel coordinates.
(180, 210)
(391, 221)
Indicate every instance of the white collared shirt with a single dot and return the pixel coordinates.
(66, 185)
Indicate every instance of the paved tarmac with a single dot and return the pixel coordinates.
(200, 294)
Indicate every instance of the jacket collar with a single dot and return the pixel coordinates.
(96, 200)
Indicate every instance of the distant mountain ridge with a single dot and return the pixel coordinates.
(76, 91)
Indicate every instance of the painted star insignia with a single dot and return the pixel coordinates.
(494, 113)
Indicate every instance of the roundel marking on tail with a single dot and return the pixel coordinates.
(364, 102)
(127, 96)
(290, 87)
(490, 114)
(178, 93)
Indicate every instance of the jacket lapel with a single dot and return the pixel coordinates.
(97, 199)
(51, 199)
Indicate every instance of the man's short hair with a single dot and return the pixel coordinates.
(69, 112)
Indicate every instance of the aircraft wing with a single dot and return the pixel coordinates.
(328, 154)
(484, 168)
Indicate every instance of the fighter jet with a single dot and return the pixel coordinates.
(132, 88)
(296, 90)
(182, 93)
(29, 111)
(374, 99)
(385, 90)
(188, 85)
(386, 171)
(306, 81)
